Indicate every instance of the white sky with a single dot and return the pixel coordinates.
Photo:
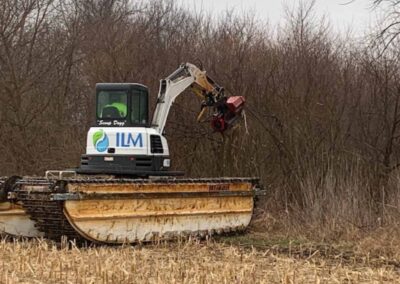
(357, 15)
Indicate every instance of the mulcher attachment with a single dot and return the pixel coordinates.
(229, 110)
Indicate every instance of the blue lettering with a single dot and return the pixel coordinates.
(131, 141)
(123, 140)
(138, 140)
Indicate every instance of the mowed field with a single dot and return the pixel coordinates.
(237, 259)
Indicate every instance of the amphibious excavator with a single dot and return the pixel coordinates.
(124, 190)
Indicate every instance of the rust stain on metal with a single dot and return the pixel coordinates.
(157, 187)
(161, 227)
(137, 219)
(155, 207)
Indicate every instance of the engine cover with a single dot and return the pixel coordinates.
(130, 151)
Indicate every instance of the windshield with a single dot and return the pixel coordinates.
(112, 104)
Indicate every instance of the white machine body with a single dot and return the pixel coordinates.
(123, 141)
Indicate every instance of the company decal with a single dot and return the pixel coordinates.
(100, 140)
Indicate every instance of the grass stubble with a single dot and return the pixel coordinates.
(242, 259)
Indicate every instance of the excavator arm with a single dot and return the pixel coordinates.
(226, 109)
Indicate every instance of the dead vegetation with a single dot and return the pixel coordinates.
(187, 262)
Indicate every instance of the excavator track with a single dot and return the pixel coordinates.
(50, 203)
(47, 214)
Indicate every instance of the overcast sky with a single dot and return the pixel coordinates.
(343, 14)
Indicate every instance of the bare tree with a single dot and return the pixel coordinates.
(390, 30)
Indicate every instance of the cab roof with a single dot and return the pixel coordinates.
(119, 86)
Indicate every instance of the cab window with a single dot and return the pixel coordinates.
(112, 104)
(139, 114)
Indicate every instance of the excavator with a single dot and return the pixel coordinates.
(124, 190)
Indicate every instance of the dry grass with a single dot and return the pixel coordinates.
(39, 261)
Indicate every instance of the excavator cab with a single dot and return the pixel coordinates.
(122, 141)
(121, 104)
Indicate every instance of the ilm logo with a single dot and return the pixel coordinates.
(129, 140)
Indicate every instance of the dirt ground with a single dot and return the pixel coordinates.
(250, 258)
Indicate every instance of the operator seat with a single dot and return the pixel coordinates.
(111, 112)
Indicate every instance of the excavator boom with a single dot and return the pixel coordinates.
(226, 109)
